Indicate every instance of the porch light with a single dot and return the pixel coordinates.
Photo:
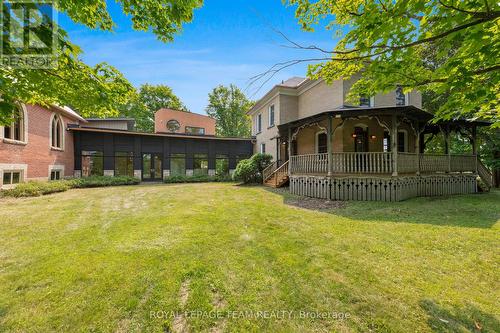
(373, 137)
(354, 135)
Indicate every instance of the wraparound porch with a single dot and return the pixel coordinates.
(359, 152)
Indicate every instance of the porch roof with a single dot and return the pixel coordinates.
(408, 111)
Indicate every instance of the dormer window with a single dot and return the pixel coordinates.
(173, 125)
(364, 101)
(400, 96)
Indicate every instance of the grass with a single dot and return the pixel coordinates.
(112, 259)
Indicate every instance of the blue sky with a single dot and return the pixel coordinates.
(228, 41)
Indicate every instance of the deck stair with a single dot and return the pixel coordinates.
(485, 176)
(276, 175)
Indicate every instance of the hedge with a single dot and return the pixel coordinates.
(196, 179)
(37, 188)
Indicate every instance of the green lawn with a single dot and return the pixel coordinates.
(123, 259)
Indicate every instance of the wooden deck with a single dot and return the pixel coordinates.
(383, 176)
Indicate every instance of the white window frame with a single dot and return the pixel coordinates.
(372, 101)
(51, 132)
(259, 123)
(271, 107)
(262, 148)
(316, 141)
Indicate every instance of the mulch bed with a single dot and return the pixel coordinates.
(308, 203)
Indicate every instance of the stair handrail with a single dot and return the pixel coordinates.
(282, 169)
(484, 173)
(269, 170)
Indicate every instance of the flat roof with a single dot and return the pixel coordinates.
(169, 135)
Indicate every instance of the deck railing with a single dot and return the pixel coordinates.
(372, 162)
(434, 163)
(381, 163)
(309, 164)
(407, 162)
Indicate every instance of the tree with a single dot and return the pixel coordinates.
(228, 106)
(93, 91)
(385, 41)
(148, 100)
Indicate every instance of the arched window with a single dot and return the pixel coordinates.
(321, 143)
(16, 129)
(173, 125)
(57, 133)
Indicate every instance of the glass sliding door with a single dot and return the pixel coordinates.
(92, 163)
(200, 165)
(151, 166)
(124, 163)
(177, 164)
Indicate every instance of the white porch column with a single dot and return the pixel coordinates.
(394, 144)
(289, 149)
(329, 145)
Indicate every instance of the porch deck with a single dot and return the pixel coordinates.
(381, 163)
(383, 176)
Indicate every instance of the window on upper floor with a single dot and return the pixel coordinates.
(259, 123)
(57, 133)
(195, 130)
(271, 116)
(15, 130)
(364, 101)
(400, 96)
(262, 148)
(173, 125)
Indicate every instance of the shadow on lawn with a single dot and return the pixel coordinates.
(466, 319)
(470, 211)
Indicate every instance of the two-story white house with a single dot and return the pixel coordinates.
(321, 143)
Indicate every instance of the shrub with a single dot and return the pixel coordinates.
(250, 170)
(101, 181)
(196, 179)
(37, 188)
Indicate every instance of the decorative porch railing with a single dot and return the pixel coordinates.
(309, 164)
(373, 162)
(381, 163)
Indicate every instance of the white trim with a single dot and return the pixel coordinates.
(262, 145)
(372, 101)
(63, 141)
(316, 143)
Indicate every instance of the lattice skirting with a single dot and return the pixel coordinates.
(381, 189)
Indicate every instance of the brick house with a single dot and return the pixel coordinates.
(37, 146)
